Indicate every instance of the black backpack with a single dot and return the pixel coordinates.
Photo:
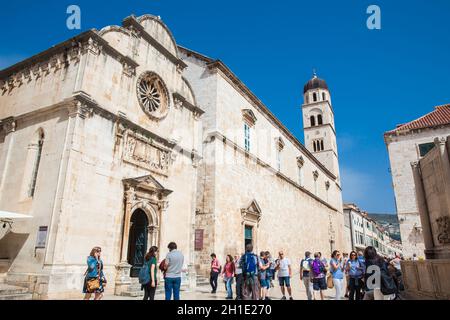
(387, 283)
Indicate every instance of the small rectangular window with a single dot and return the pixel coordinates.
(247, 137)
(248, 235)
(424, 148)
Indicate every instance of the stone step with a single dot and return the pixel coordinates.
(6, 289)
(22, 296)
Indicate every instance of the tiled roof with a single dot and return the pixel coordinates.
(438, 117)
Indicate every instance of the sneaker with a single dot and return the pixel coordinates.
(267, 298)
(291, 298)
(284, 298)
(213, 291)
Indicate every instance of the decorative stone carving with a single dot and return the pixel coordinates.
(300, 161)
(443, 229)
(80, 109)
(92, 46)
(128, 69)
(252, 212)
(280, 143)
(249, 117)
(146, 154)
(178, 103)
(195, 158)
(316, 175)
(74, 54)
(8, 125)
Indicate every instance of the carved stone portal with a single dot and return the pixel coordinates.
(144, 194)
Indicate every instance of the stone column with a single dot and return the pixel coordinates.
(423, 209)
(445, 162)
(123, 279)
(8, 126)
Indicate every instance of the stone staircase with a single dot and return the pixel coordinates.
(202, 281)
(9, 292)
(134, 289)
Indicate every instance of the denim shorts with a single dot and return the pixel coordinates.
(320, 284)
(284, 281)
(265, 283)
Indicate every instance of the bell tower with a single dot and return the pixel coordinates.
(318, 124)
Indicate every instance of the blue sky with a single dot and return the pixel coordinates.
(378, 78)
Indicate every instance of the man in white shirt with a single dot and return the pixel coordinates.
(284, 275)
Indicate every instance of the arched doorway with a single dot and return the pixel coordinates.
(137, 242)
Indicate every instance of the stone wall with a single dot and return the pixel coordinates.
(427, 279)
(403, 150)
(291, 220)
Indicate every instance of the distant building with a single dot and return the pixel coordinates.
(363, 231)
(389, 222)
(409, 143)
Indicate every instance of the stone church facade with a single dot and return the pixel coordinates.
(122, 139)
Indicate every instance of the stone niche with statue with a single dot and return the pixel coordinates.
(431, 277)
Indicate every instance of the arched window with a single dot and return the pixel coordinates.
(321, 145)
(313, 121)
(314, 97)
(324, 96)
(319, 120)
(307, 98)
(37, 146)
(314, 146)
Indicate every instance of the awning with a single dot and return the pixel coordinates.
(5, 215)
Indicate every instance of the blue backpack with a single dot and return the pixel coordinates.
(144, 274)
(250, 264)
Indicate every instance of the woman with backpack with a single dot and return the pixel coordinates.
(376, 266)
(148, 275)
(355, 271)
(319, 272)
(337, 273)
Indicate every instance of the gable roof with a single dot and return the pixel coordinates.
(438, 117)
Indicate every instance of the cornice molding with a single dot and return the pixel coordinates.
(131, 23)
(60, 56)
(212, 136)
(180, 100)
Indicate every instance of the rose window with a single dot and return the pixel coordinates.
(152, 95)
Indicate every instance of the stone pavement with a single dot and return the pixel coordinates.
(204, 293)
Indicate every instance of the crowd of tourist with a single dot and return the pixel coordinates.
(356, 276)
